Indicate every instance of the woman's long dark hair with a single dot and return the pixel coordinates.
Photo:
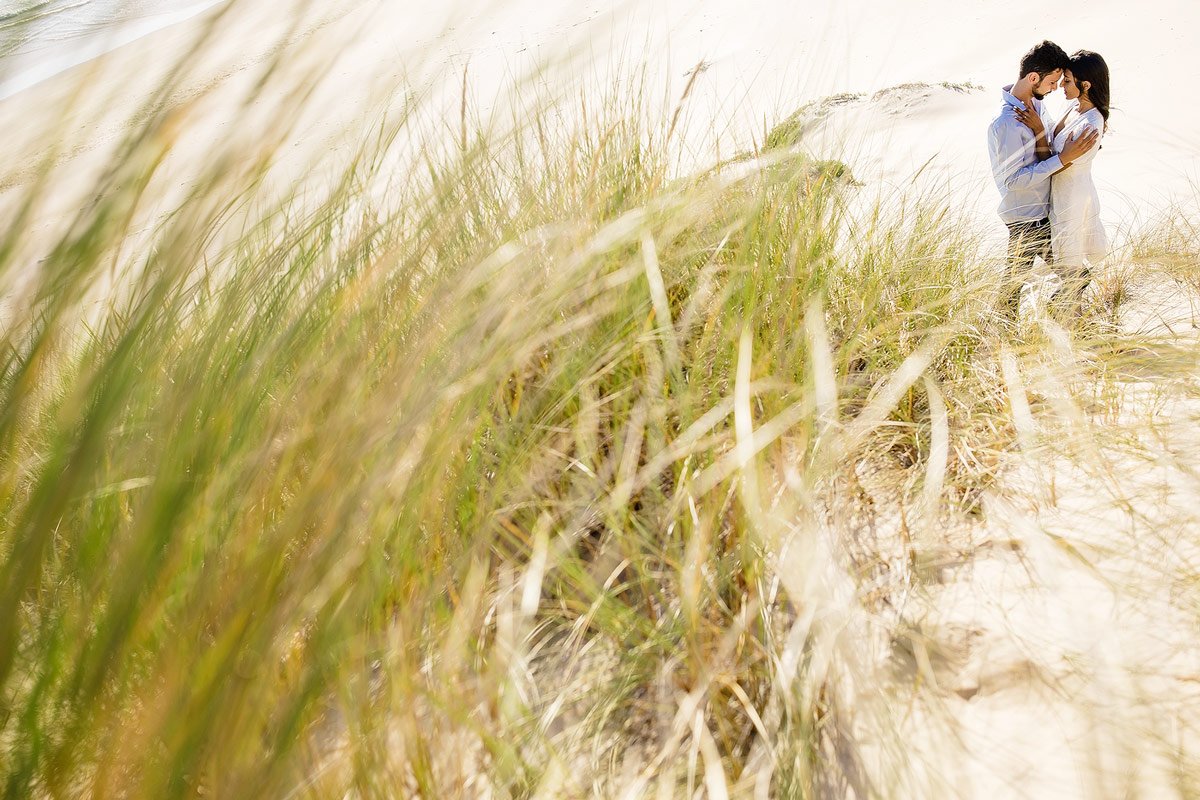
(1091, 67)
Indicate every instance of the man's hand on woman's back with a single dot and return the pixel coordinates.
(1077, 144)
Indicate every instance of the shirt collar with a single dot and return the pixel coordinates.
(1011, 100)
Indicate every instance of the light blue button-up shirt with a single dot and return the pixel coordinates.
(1023, 181)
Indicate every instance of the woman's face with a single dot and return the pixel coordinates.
(1069, 87)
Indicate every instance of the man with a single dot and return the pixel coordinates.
(1022, 164)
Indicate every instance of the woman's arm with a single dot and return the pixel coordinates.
(1033, 120)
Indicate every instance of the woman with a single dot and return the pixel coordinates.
(1076, 233)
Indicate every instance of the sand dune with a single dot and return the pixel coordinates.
(760, 64)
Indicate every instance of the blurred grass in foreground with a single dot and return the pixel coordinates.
(543, 478)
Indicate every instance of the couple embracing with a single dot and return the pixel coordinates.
(1043, 168)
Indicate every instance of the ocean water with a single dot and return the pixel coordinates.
(42, 38)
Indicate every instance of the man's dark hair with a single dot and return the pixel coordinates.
(1043, 59)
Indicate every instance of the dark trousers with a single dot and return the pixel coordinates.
(1026, 242)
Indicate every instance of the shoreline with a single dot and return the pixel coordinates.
(93, 47)
(92, 108)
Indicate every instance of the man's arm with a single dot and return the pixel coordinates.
(1008, 147)
(1076, 145)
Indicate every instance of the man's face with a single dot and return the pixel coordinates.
(1047, 84)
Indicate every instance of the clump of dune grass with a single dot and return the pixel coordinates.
(548, 472)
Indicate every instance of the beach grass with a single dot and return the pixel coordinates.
(546, 472)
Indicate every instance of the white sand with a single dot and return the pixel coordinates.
(763, 61)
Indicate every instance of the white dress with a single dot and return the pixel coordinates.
(1076, 232)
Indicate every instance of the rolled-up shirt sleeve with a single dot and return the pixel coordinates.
(1008, 148)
